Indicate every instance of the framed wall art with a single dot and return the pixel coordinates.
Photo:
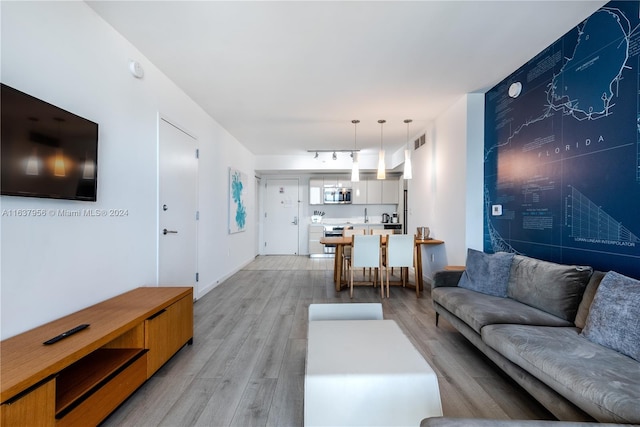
(237, 206)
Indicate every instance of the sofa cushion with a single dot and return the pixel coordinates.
(487, 273)
(587, 298)
(614, 317)
(602, 382)
(554, 288)
(482, 422)
(477, 309)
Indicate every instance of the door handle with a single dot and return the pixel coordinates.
(295, 220)
(165, 232)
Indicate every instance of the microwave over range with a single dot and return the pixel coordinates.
(337, 195)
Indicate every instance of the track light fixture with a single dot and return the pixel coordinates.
(334, 154)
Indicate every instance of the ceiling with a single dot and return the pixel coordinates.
(287, 77)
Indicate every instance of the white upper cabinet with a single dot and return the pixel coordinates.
(359, 193)
(367, 191)
(390, 192)
(316, 190)
(374, 191)
(337, 181)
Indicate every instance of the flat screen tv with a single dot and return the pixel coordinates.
(46, 151)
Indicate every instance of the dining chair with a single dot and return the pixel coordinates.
(381, 232)
(346, 251)
(399, 253)
(366, 252)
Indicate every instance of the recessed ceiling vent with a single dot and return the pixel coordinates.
(419, 142)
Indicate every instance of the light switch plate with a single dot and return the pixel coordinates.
(496, 210)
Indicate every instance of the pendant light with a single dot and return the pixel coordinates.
(355, 168)
(407, 154)
(382, 174)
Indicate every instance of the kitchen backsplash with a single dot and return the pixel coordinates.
(352, 213)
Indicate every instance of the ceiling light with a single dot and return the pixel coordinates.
(407, 155)
(334, 152)
(355, 168)
(382, 174)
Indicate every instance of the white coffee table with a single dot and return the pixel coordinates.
(366, 373)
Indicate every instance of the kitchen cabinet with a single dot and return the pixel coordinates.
(316, 189)
(338, 181)
(367, 191)
(359, 193)
(317, 186)
(315, 234)
(374, 191)
(383, 191)
(390, 192)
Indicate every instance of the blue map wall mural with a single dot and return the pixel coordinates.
(562, 159)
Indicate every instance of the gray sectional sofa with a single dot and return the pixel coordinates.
(474, 422)
(568, 335)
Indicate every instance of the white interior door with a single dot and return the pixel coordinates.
(281, 217)
(178, 233)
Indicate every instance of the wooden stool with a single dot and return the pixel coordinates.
(454, 267)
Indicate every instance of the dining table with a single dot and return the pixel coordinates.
(340, 242)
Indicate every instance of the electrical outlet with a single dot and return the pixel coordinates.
(496, 210)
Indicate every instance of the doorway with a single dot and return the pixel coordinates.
(177, 214)
(281, 217)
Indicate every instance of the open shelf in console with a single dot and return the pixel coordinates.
(81, 379)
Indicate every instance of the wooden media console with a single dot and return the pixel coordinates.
(80, 379)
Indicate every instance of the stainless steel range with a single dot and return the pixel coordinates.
(332, 231)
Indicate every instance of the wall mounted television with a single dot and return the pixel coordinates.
(46, 151)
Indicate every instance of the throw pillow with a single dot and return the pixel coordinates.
(587, 298)
(614, 317)
(554, 288)
(487, 273)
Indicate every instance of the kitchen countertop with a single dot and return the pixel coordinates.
(353, 222)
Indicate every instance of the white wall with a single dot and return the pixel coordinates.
(63, 53)
(445, 193)
(475, 171)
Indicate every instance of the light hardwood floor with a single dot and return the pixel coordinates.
(246, 366)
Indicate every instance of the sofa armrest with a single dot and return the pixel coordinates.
(446, 278)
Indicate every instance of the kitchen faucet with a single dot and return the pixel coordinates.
(366, 218)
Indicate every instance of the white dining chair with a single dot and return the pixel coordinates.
(381, 232)
(399, 253)
(366, 253)
(346, 251)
